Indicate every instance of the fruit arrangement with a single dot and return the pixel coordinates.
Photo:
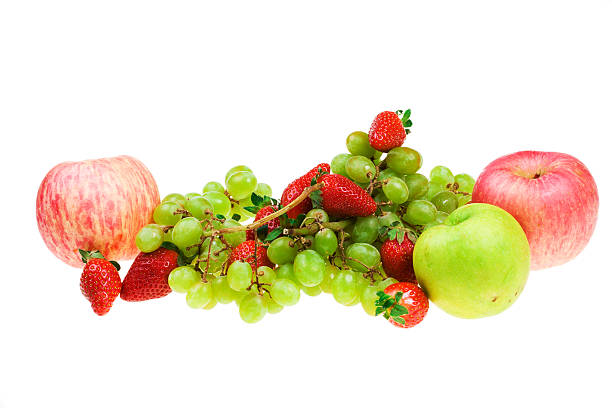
(366, 228)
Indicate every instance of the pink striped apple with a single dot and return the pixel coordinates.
(552, 195)
(95, 204)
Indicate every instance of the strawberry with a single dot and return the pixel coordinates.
(296, 187)
(264, 212)
(246, 252)
(397, 259)
(148, 275)
(100, 281)
(340, 197)
(403, 304)
(388, 130)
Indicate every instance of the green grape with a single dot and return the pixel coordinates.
(252, 308)
(360, 169)
(149, 238)
(358, 143)
(445, 201)
(463, 199)
(213, 186)
(236, 169)
(365, 255)
(432, 190)
(365, 229)
(419, 212)
(362, 283)
(241, 184)
(282, 251)
(328, 278)
(387, 220)
(240, 296)
(165, 213)
(368, 299)
(396, 190)
(263, 190)
(383, 284)
(233, 238)
(285, 292)
(325, 242)
(308, 241)
(465, 182)
(312, 291)
(338, 164)
(285, 272)
(440, 218)
(316, 214)
(441, 175)
(380, 197)
(387, 173)
(174, 198)
(417, 185)
(309, 268)
(223, 293)
(187, 232)
(220, 202)
(168, 235)
(189, 196)
(183, 278)
(239, 276)
(199, 295)
(271, 305)
(217, 258)
(404, 160)
(344, 287)
(192, 251)
(198, 207)
(266, 274)
(211, 304)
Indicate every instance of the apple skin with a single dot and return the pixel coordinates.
(475, 264)
(95, 204)
(552, 195)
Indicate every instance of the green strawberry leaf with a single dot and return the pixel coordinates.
(300, 219)
(400, 236)
(220, 217)
(236, 217)
(317, 199)
(396, 224)
(379, 310)
(275, 233)
(181, 260)
(256, 199)
(252, 209)
(399, 320)
(274, 201)
(116, 265)
(398, 296)
(402, 310)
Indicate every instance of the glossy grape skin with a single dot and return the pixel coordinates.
(417, 185)
(441, 175)
(183, 278)
(282, 251)
(215, 263)
(266, 274)
(263, 190)
(367, 254)
(338, 164)
(239, 276)
(420, 212)
(404, 160)
(360, 169)
(220, 202)
(365, 229)
(252, 308)
(189, 196)
(316, 214)
(271, 306)
(325, 242)
(285, 272)
(164, 213)
(328, 278)
(312, 290)
(309, 268)
(234, 238)
(463, 199)
(285, 292)
(241, 184)
(187, 232)
(396, 190)
(432, 190)
(387, 173)
(236, 169)
(445, 201)
(149, 238)
(213, 186)
(344, 287)
(358, 143)
(199, 295)
(174, 198)
(368, 299)
(465, 182)
(223, 293)
(199, 207)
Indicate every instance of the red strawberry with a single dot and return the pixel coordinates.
(295, 188)
(388, 130)
(412, 301)
(340, 197)
(246, 252)
(397, 259)
(148, 275)
(100, 281)
(264, 212)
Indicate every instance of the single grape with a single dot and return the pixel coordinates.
(236, 169)
(325, 242)
(241, 184)
(441, 175)
(465, 182)
(271, 305)
(166, 213)
(286, 272)
(263, 190)
(285, 292)
(220, 202)
(360, 169)
(192, 251)
(223, 293)
(445, 201)
(368, 299)
(463, 199)
(218, 255)
(338, 164)
(213, 186)
(282, 251)
(266, 274)
(199, 207)
(187, 232)
(404, 160)
(365, 229)
(239, 276)
(387, 220)
(174, 198)
(387, 173)
(358, 143)
(420, 212)
(316, 214)
(252, 308)
(344, 287)
(364, 256)
(189, 196)
(183, 278)
(312, 291)
(309, 268)
(210, 304)
(199, 295)
(328, 278)
(149, 238)
(396, 190)
(417, 185)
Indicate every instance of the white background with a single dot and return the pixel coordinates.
(192, 88)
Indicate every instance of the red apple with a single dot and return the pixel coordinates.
(95, 204)
(552, 195)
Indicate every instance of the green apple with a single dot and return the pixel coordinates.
(475, 264)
